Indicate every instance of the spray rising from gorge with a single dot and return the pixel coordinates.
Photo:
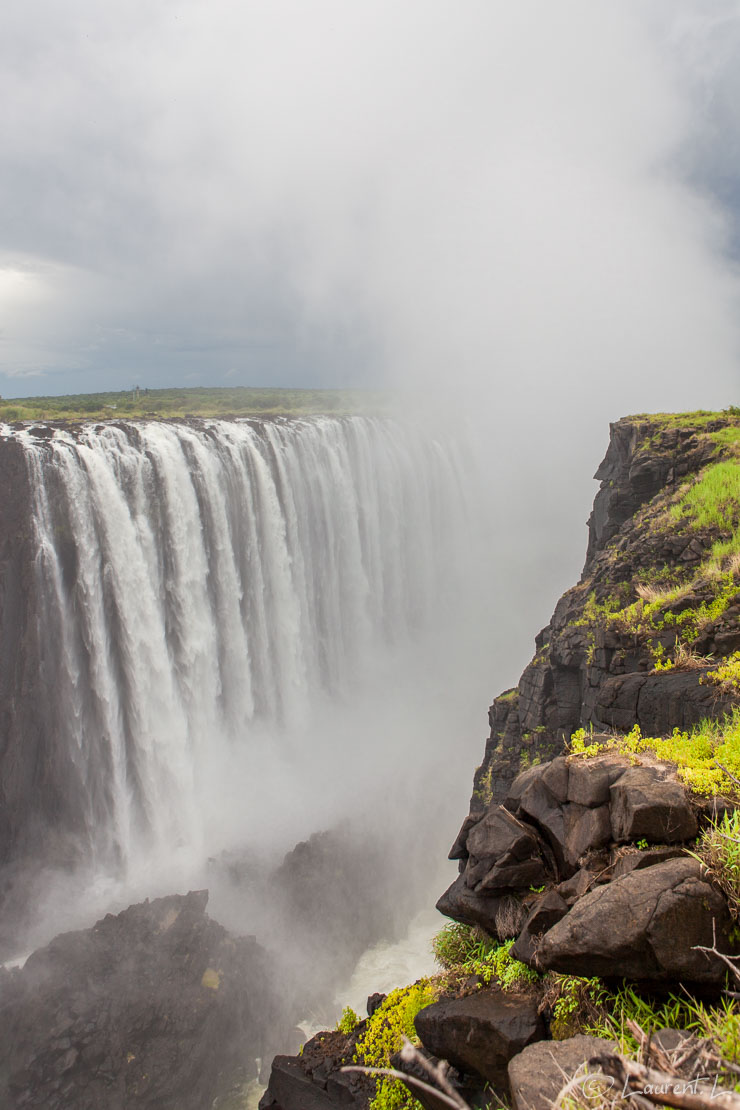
(219, 606)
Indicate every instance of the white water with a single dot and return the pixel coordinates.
(224, 599)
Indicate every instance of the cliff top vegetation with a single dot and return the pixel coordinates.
(149, 404)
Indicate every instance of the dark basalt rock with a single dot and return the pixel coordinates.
(589, 780)
(504, 854)
(374, 1002)
(314, 1080)
(577, 885)
(646, 804)
(157, 1007)
(462, 904)
(590, 673)
(481, 1032)
(540, 1071)
(550, 908)
(637, 860)
(459, 849)
(644, 925)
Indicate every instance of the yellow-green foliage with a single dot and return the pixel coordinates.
(727, 675)
(383, 1037)
(696, 753)
(391, 1022)
(465, 949)
(392, 1094)
(576, 1004)
(347, 1021)
(626, 1005)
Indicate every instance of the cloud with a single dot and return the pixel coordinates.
(492, 193)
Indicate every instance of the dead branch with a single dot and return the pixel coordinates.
(728, 773)
(410, 1081)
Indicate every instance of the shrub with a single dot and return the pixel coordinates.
(383, 1037)
(468, 951)
(347, 1021)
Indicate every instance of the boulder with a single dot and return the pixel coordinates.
(459, 849)
(314, 1080)
(481, 1032)
(644, 925)
(540, 805)
(504, 854)
(548, 911)
(155, 1007)
(291, 1087)
(577, 885)
(637, 860)
(540, 1071)
(463, 905)
(585, 829)
(571, 829)
(589, 780)
(646, 804)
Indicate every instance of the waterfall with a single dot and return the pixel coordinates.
(202, 584)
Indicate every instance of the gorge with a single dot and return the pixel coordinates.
(187, 610)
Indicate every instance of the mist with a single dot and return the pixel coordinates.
(523, 218)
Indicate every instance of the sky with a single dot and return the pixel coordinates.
(521, 201)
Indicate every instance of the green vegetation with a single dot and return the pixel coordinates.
(201, 401)
(348, 1021)
(483, 791)
(719, 849)
(463, 950)
(714, 502)
(696, 753)
(670, 606)
(656, 611)
(587, 1006)
(727, 675)
(695, 421)
(383, 1037)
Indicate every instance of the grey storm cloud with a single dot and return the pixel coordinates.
(515, 198)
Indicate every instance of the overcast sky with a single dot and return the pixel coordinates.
(516, 198)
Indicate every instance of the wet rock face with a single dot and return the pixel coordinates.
(42, 790)
(157, 1007)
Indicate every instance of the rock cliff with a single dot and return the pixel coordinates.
(578, 856)
(594, 661)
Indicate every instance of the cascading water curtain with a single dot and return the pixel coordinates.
(199, 580)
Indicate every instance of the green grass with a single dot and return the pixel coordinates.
(714, 500)
(697, 420)
(719, 849)
(200, 401)
(463, 951)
